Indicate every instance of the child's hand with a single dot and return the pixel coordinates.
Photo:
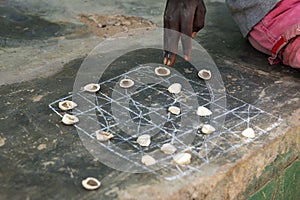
(184, 16)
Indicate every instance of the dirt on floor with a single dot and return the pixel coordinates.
(109, 25)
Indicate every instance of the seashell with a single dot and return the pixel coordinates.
(208, 129)
(168, 148)
(162, 71)
(174, 110)
(144, 140)
(249, 133)
(182, 158)
(148, 160)
(66, 105)
(204, 74)
(90, 183)
(103, 136)
(126, 83)
(92, 87)
(175, 88)
(202, 111)
(69, 119)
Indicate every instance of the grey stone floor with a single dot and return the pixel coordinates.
(45, 30)
(39, 59)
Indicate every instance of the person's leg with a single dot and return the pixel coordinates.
(275, 34)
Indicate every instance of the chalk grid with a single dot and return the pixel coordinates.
(153, 100)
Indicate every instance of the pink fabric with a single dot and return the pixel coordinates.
(275, 34)
(291, 54)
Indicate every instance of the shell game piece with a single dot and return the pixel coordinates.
(144, 140)
(66, 105)
(175, 88)
(249, 133)
(208, 129)
(90, 183)
(203, 111)
(103, 136)
(126, 83)
(174, 110)
(148, 160)
(162, 71)
(69, 119)
(92, 87)
(204, 74)
(182, 158)
(168, 148)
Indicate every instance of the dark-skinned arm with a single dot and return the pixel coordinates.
(181, 17)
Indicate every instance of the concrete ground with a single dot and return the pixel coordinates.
(42, 45)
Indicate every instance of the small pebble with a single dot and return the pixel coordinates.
(203, 111)
(249, 133)
(174, 110)
(144, 140)
(41, 147)
(126, 23)
(148, 160)
(208, 129)
(182, 158)
(168, 148)
(2, 141)
(175, 88)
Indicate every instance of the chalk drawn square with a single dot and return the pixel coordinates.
(144, 102)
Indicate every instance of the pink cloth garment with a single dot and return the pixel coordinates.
(278, 33)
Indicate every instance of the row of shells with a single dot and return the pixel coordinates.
(163, 71)
(182, 158)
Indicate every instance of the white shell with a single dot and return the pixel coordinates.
(126, 83)
(103, 136)
(144, 140)
(90, 183)
(249, 133)
(175, 88)
(208, 129)
(168, 148)
(174, 110)
(204, 74)
(162, 71)
(148, 160)
(182, 158)
(92, 87)
(69, 119)
(66, 105)
(202, 111)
